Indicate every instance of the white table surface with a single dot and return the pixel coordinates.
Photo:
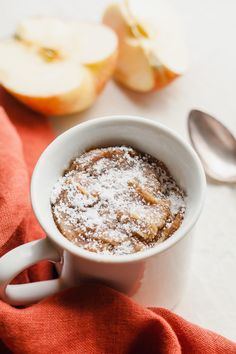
(210, 84)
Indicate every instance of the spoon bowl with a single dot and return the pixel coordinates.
(215, 145)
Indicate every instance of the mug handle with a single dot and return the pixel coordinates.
(20, 258)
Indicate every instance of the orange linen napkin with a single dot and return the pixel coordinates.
(88, 319)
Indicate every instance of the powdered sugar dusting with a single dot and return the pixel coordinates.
(117, 201)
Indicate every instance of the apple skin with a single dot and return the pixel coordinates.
(162, 78)
(69, 103)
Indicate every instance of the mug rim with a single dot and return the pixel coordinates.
(183, 230)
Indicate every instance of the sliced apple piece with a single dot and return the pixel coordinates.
(57, 67)
(152, 50)
(133, 69)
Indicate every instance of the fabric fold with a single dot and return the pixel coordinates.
(95, 319)
(14, 181)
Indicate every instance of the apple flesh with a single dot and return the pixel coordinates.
(152, 50)
(57, 67)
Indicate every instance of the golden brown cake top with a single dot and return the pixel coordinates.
(117, 200)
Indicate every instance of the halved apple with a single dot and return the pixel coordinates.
(152, 50)
(57, 67)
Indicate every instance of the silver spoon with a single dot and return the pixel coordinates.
(215, 145)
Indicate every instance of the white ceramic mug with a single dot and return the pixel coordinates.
(154, 277)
